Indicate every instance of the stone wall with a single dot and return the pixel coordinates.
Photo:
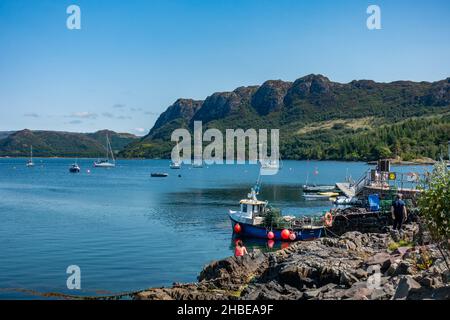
(359, 219)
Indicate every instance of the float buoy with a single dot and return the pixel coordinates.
(270, 235)
(292, 236)
(328, 219)
(285, 234)
(237, 228)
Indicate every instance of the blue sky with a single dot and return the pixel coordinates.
(132, 59)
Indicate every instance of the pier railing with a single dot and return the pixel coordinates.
(399, 181)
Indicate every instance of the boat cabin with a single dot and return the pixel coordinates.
(251, 210)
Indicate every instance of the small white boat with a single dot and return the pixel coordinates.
(30, 162)
(104, 163)
(175, 165)
(315, 196)
(197, 164)
(317, 188)
(74, 168)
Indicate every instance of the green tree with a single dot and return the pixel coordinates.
(434, 207)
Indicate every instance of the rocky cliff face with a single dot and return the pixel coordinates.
(182, 108)
(308, 91)
(439, 94)
(269, 97)
(309, 86)
(221, 104)
(307, 102)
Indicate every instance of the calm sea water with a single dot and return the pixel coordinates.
(126, 230)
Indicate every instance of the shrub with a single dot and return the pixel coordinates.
(434, 206)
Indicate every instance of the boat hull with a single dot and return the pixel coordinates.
(251, 231)
(104, 165)
(159, 175)
(318, 188)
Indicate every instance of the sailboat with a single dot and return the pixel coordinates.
(270, 164)
(104, 163)
(315, 188)
(30, 162)
(176, 164)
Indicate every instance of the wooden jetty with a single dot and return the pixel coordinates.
(383, 182)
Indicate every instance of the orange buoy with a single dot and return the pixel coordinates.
(285, 234)
(328, 219)
(270, 235)
(237, 228)
(292, 236)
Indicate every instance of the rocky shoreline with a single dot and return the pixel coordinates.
(355, 266)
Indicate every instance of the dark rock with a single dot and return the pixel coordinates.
(404, 267)
(383, 259)
(404, 287)
(182, 108)
(442, 293)
(269, 97)
(222, 104)
(310, 85)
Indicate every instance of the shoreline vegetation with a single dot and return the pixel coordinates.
(398, 162)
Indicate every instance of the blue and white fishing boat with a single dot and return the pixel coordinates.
(249, 222)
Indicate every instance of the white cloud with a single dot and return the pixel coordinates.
(84, 115)
(31, 115)
(123, 117)
(75, 122)
(107, 115)
(140, 130)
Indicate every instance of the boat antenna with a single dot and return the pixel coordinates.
(257, 186)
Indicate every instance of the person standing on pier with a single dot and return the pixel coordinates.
(398, 211)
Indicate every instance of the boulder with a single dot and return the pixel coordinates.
(383, 259)
(404, 287)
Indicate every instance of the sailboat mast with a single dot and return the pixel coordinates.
(107, 146)
(110, 149)
(31, 153)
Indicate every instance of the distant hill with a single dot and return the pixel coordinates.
(62, 144)
(4, 134)
(320, 119)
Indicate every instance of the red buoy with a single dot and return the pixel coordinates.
(237, 228)
(292, 236)
(285, 234)
(270, 235)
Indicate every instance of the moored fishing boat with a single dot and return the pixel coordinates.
(256, 219)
